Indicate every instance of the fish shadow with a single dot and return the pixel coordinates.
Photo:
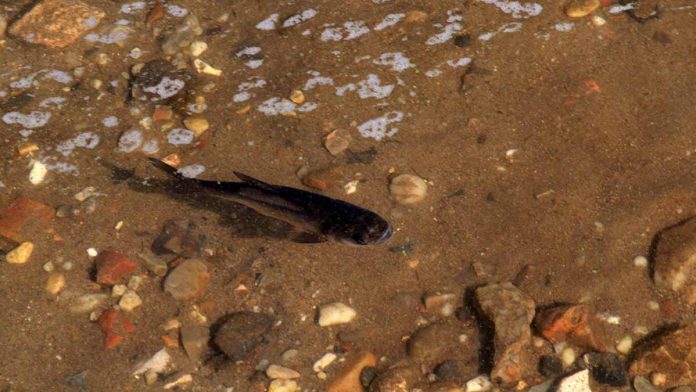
(244, 222)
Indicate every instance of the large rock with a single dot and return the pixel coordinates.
(672, 353)
(511, 311)
(187, 281)
(675, 260)
(56, 23)
(241, 332)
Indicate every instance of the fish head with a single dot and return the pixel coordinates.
(367, 229)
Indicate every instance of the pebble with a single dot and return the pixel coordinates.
(203, 67)
(49, 267)
(408, 189)
(337, 141)
(625, 344)
(197, 48)
(55, 283)
(480, 383)
(129, 301)
(550, 366)
(641, 384)
(158, 363)
(443, 304)
(349, 377)
(581, 8)
(658, 379)
(289, 356)
(20, 254)
(322, 179)
(115, 325)
(151, 377)
(38, 173)
(241, 332)
(195, 339)
(25, 148)
(568, 356)
(275, 371)
(134, 282)
(576, 382)
(335, 313)
(187, 281)
(118, 290)
(281, 385)
(640, 261)
(178, 380)
(297, 96)
(88, 302)
(85, 193)
(323, 362)
(197, 124)
(112, 266)
(153, 264)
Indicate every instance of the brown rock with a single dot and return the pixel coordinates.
(322, 179)
(56, 23)
(511, 311)
(675, 257)
(115, 326)
(181, 237)
(241, 332)
(348, 378)
(23, 216)
(580, 8)
(439, 341)
(672, 353)
(576, 324)
(112, 266)
(195, 338)
(416, 16)
(337, 141)
(399, 378)
(187, 281)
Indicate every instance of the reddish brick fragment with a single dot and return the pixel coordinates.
(112, 266)
(115, 326)
(22, 216)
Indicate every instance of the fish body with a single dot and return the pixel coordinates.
(314, 217)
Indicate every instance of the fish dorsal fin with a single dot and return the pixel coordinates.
(253, 181)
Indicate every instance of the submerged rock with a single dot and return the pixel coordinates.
(241, 332)
(675, 260)
(671, 352)
(576, 324)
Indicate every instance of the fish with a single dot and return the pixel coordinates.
(313, 217)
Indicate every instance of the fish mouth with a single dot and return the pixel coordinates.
(385, 236)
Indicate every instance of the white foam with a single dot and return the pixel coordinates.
(448, 30)
(299, 18)
(176, 11)
(52, 101)
(397, 60)
(130, 140)
(460, 62)
(350, 30)
(110, 121)
(433, 73)
(565, 27)
(617, 9)
(317, 80)
(380, 127)
(180, 136)
(32, 120)
(89, 140)
(388, 21)
(269, 23)
(515, 8)
(277, 106)
(244, 87)
(166, 88)
(132, 7)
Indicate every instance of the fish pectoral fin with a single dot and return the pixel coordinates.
(253, 181)
(305, 237)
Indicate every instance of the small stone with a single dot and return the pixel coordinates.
(49, 267)
(38, 173)
(112, 266)
(23, 217)
(195, 339)
(658, 379)
(625, 344)
(158, 363)
(182, 35)
(581, 8)
(27, 148)
(187, 281)
(568, 356)
(348, 378)
(337, 141)
(297, 96)
(153, 264)
(323, 362)
(550, 366)
(56, 23)
(407, 189)
(281, 385)
(442, 305)
(88, 302)
(181, 237)
(675, 257)
(134, 282)
(20, 254)
(151, 377)
(118, 290)
(197, 48)
(85, 193)
(241, 332)
(203, 67)
(322, 179)
(640, 261)
(129, 301)
(576, 324)
(115, 326)
(289, 356)
(641, 384)
(335, 313)
(479, 384)
(170, 341)
(275, 371)
(55, 283)
(178, 380)
(197, 124)
(577, 382)
(416, 16)
(607, 369)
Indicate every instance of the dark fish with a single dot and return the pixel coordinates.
(314, 217)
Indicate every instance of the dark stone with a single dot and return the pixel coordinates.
(463, 40)
(78, 381)
(180, 237)
(550, 366)
(451, 370)
(240, 333)
(364, 157)
(367, 375)
(607, 369)
(16, 102)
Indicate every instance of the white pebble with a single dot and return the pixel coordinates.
(158, 363)
(130, 301)
(640, 261)
(568, 356)
(624, 345)
(335, 313)
(479, 384)
(323, 362)
(275, 371)
(38, 173)
(48, 267)
(91, 252)
(118, 290)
